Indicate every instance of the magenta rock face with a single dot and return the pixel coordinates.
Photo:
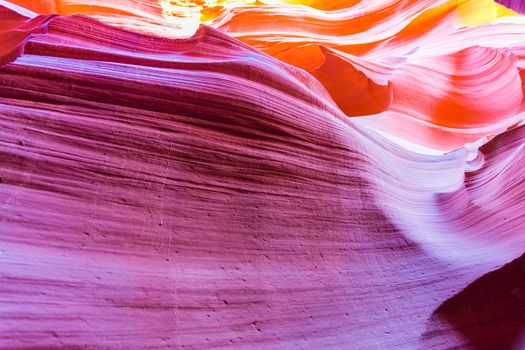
(196, 193)
(516, 5)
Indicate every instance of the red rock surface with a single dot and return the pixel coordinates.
(191, 194)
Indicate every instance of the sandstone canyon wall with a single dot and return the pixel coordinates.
(342, 175)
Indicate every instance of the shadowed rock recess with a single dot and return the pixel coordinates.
(197, 193)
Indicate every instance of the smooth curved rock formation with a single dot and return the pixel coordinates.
(373, 57)
(197, 193)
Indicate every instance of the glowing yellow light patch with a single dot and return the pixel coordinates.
(474, 13)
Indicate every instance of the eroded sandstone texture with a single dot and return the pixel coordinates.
(197, 193)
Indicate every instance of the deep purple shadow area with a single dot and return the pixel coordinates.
(488, 314)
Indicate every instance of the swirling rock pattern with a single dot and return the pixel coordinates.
(197, 193)
(373, 57)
